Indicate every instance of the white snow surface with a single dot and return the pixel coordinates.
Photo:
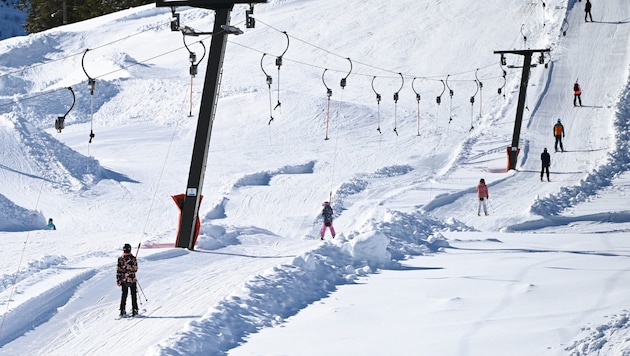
(413, 269)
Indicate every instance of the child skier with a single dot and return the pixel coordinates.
(482, 194)
(327, 214)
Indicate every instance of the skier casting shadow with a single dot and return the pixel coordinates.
(587, 11)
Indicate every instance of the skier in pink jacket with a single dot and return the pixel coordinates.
(482, 194)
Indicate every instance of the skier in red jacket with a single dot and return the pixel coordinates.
(577, 92)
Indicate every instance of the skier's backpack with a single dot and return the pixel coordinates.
(576, 87)
(327, 213)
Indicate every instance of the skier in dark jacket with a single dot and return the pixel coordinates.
(126, 279)
(546, 162)
(558, 133)
(327, 214)
(587, 11)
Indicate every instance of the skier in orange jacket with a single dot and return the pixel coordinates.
(558, 133)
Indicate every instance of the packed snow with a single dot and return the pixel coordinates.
(413, 268)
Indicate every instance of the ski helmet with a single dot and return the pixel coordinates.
(558, 120)
(127, 248)
(482, 180)
(325, 203)
(545, 150)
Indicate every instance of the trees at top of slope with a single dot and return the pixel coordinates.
(46, 14)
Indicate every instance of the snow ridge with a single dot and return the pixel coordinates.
(617, 163)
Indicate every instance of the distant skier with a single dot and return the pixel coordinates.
(546, 162)
(577, 94)
(482, 194)
(50, 225)
(327, 214)
(126, 279)
(587, 11)
(558, 133)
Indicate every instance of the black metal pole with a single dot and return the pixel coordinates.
(513, 150)
(190, 208)
(522, 95)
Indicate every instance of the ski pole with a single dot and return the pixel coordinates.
(141, 291)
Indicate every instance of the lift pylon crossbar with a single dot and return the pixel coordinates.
(513, 150)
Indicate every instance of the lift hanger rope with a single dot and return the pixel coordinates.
(450, 93)
(378, 105)
(59, 122)
(269, 82)
(328, 94)
(396, 103)
(472, 105)
(480, 92)
(92, 86)
(418, 100)
(279, 64)
(194, 63)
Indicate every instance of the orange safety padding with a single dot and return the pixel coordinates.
(179, 200)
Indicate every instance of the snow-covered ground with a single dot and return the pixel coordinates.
(413, 269)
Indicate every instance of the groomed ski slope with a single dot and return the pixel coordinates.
(258, 261)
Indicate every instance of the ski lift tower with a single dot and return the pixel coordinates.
(188, 229)
(513, 150)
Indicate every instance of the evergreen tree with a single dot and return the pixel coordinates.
(45, 14)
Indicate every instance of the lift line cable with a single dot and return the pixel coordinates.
(76, 54)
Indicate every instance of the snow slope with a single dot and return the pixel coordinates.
(259, 274)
